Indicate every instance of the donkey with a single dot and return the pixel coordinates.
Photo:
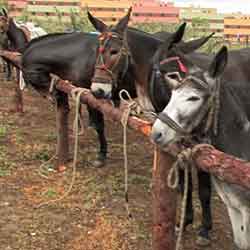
(4, 45)
(120, 47)
(171, 63)
(72, 57)
(189, 110)
(18, 39)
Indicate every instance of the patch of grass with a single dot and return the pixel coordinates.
(50, 193)
(4, 172)
(51, 137)
(3, 131)
(42, 155)
(6, 164)
(139, 179)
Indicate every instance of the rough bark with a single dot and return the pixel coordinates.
(223, 166)
(164, 204)
(106, 108)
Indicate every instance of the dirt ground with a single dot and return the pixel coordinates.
(93, 216)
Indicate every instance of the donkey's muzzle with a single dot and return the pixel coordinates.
(101, 90)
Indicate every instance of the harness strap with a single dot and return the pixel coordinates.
(182, 67)
(123, 51)
(171, 123)
(211, 109)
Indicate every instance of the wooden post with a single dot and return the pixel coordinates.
(224, 166)
(62, 130)
(164, 204)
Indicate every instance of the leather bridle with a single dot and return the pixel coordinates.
(100, 62)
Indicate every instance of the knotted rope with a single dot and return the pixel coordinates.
(131, 106)
(76, 95)
(54, 79)
(182, 163)
(185, 162)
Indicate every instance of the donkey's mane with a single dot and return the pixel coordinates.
(46, 37)
(147, 35)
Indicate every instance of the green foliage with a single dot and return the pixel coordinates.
(156, 27)
(3, 4)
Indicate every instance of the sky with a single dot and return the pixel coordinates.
(224, 6)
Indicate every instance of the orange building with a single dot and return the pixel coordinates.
(109, 11)
(237, 28)
(148, 11)
(16, 7)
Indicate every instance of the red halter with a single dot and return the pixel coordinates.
(182, 67)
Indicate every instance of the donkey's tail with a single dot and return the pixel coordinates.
(13, 57)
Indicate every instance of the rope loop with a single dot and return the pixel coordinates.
(76, 95)
(183, 162)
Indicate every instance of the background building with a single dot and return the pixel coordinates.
(16, 7)
(237, 28)
(148, 11)
(203, 19)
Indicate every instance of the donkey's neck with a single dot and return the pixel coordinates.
(16, 36)
(234, 126)
(142, 48)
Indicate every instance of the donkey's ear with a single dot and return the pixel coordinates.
(98, 24)
(193, 45)
(178, 35)
(219, 63)
(5, 12)
(175, 38)
(122, 25)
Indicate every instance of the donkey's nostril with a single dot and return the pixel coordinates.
(157, 137)
(99, 93)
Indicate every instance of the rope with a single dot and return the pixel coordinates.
(76, 94)
(78, 119)
(53, 82)
(182, 162)
(131, 106)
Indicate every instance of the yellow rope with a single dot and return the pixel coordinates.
(76, 94)
(182, 162)
(131, 106)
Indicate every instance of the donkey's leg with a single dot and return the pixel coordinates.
(238, 207)
(8, 68)
(97, 121)
(189, 207)
(204, 189)
(62, 127)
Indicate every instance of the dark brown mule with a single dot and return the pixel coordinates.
(18, 40)
(120, 49)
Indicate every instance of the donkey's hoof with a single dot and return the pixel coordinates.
(203, 241)
(98, 163)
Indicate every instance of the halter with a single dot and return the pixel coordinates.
(210, 108)
(182, 67)
(156, 74)
(101, 65)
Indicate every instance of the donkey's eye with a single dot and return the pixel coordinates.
(174, 77)
(113, 52)
(193, 98)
